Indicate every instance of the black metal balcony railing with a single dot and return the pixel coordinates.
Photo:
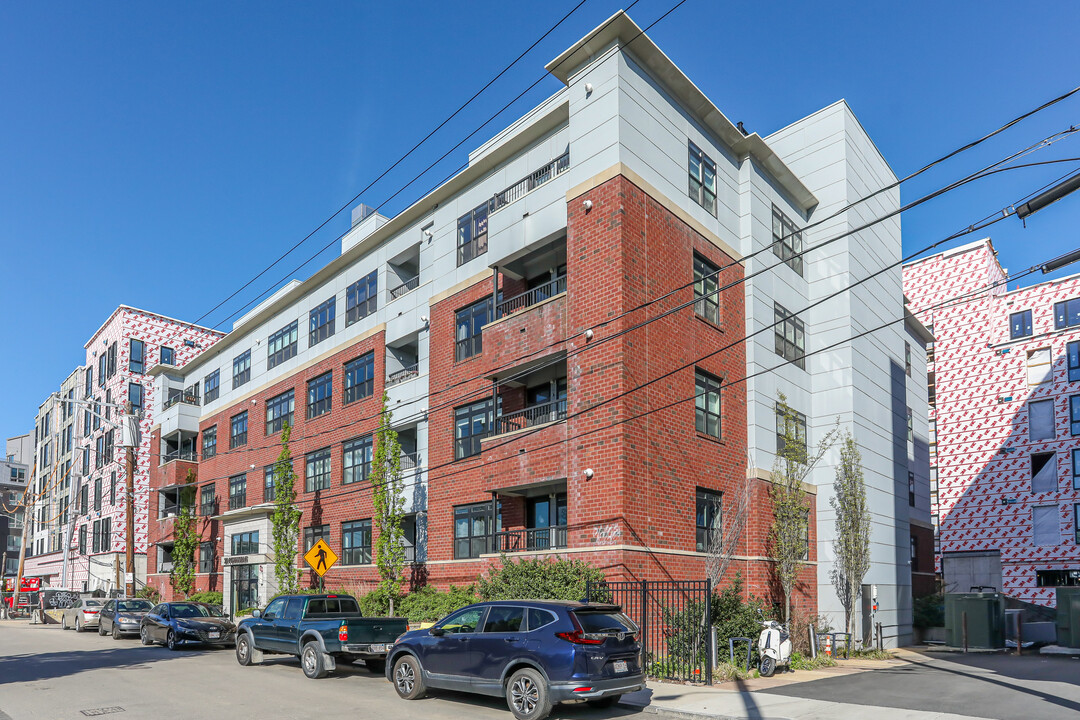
(530, 182)
(186, 455)
(410, 284)
(409, 461)
(531, 297)
(531, 539)
(406, 373)
(188, 396)
(410, 553)
(531, 416)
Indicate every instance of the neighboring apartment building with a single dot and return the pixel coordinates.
(1005, 423)
(77, 530)
(14, 476)
(534, 421)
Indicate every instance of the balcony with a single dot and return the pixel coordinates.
(402, 360)
(406, 373)
(534, 539)
(530, 182)
(403, 272)
(530, 395)
(410, 284)
(179, 410)
(188, 396)
(533, 296)
(531, 416)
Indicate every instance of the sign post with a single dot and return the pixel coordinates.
(321, 558)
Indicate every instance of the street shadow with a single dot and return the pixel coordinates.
(567, 711)
(753, 712)
(52, 665)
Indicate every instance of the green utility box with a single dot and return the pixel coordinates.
(1068, 617)
(985, 620)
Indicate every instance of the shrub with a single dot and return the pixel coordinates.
(929, 611)
(210, 597)
(801, 662)
(735, 617)
(148, 592)
(539, 580)
(245, 612)
(428, 604)
(799, 626)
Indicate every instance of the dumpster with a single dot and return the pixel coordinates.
(1068, 617)
(985, 619)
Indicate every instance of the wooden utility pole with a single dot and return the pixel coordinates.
(130, 438)
(28, 518)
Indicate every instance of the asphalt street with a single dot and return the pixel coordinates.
(55, 675)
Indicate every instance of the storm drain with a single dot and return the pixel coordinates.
(102, 711)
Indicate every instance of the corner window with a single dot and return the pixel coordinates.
(910, 427)
(136, 356)
(787, 240)
(319, 393)
(472, 423)
(1067, 313)
(468, 333)
(88, 386)
(1020, 325)
(359, 378)
(706, 290)
(472, 234)
(708, 520)
(707, 403)
(1041, 420)
(702, 172)
(241, 369)
(356, 460)
(238, 430)
(356, 542)
(789, 336)
(101, 369)
(211, 387)
(168, 356)
(112, 360)
(279, 410)
(281, 345)
(321, 322)
(360, 298)
(317, 471)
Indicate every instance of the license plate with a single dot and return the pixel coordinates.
(621, 666)
(217, 635)
(378, 648)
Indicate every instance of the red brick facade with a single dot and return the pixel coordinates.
(630, 416)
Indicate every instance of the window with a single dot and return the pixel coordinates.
(317, 470)
(321, 322)
(359, 378)
(237, 492)
(82, 539)
(505, 619)
(99, 452)
(463, 621)
(88, 387)
(914, 550)
(468, 333)
(1076, 522)
(706, 290)
(707, 404)
(319, 392)
(911, 488)
(787, 240)
(112, 488)
(707, 520)
(472, 423)
(1045, 530)
(314, 534)
(211, 386)
(84, 500)
(1067, 313)
(907, 359)
(1074, 361)
(360, 298)
(135, 396)
(806, 535)
(1057, 578)
(241, 369)
(207, 498)
(95, 540)
(137, 356)
(790, 338)
(282, 345)
(168, 356)
(473, 529)
(790, 424)
(269, 484)
(238, 430)
(209, 442)
(1075, 470)
(472, 234)
(106, 535)
(246, 543)
(356, 460)
(910, 427)
(1044, 473)
(1040, 368)
(1041, 420)
(112, 360)
(702, 172)
(206, 557)
(1074, 414)
(97, 494)
(1020, 324)
(279, 410)
(539, 618)
(356, 542)
(101, 369)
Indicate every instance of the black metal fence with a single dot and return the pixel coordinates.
(674, 618)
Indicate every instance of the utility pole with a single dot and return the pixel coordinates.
(27, 519)
(130, 437)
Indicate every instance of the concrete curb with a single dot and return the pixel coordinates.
(672, 714)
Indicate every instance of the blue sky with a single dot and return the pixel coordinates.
(160, 155)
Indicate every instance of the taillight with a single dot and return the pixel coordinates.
(343, 632)
(578, 637)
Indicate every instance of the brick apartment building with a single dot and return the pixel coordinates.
(77, 532)
(497, 314)
(1004, 423)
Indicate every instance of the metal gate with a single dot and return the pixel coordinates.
(674, 618)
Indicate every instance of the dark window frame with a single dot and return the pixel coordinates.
(477, 544)
(469, 323)
(789, 336)
(238, 491)
(207, 500)
(1020, 324)
(314, 533)
(136, 358)
(472, 234)
(211, 387)
(357, 471)
(359, 554)
(166, 355)
(787, 240)
(706, 386)
(282, 345)
(280, 409)
(238, 437)
(245, 543)
(706, 289)
(321, 321)
(786, 414)
(320, 394)
(698, 166)
(320, 477)
(361, 298)
(708, 519)
(1066, 313)
(355, 386)
(206, 558)
(209, 442)
(241, 369)
(469, 444)
(269, 483)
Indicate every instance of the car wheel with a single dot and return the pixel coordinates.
(171, 641)
(101, 629)
(243, 650)
(376, 666)
(604, 702)
(144, 636)
(408, 678)
(767, 666)
(78, 624)
(63, 622)
(527, 695)
(115, 632)
(311, 660)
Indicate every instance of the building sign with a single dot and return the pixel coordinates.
(236, 560)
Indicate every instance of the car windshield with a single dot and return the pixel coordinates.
(133, 606)
(189, 610)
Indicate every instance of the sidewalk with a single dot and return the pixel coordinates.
(750, 699)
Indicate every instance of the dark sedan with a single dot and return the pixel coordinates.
(177, 623)
(123, 617)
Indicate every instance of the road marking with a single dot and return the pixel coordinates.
(102, 711)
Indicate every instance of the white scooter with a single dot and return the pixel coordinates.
(774, 647)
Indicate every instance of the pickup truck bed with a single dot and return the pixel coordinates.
(322, 630)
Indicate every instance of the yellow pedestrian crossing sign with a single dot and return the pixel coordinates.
(320, 557)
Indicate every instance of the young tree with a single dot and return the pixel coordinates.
(185, 542)
(389, 504)
(852, 542)
(286, 519)
(791, 516)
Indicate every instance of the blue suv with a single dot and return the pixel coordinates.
(535, 653)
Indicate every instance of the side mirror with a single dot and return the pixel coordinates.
(436, 631)
(256, 613)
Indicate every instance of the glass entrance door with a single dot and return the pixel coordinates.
(546, 522)
(245, 587)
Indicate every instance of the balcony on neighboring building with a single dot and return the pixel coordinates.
(180, 406)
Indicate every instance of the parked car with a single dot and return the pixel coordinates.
(177, 623)
(535, 653)
(123, 617)
(322, 630)
(80, 615)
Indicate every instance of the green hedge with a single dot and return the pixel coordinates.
(210, 597)
(538, 579)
